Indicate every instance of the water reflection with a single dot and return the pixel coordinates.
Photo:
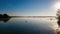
(26, 26)
(58, 29)
(5, 19)
(26, 21)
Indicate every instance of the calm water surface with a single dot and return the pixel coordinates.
(28, 26)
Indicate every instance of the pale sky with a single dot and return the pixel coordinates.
(28, 7)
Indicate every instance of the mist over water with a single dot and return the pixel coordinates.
(28, 26)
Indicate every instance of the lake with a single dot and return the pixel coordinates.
(28, 26)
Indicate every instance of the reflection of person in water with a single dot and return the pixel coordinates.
(58, 17)
(4, 17)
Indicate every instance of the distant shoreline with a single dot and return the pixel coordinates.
(33, 16)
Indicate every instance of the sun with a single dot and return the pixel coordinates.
(57, 5)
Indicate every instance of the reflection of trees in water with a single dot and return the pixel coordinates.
(4, 19)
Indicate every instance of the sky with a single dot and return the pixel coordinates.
(28, 7)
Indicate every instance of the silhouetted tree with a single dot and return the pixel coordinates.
(1, 15)
(5, 16)
(58, 17)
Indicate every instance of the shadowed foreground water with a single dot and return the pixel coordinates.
(26, 26)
